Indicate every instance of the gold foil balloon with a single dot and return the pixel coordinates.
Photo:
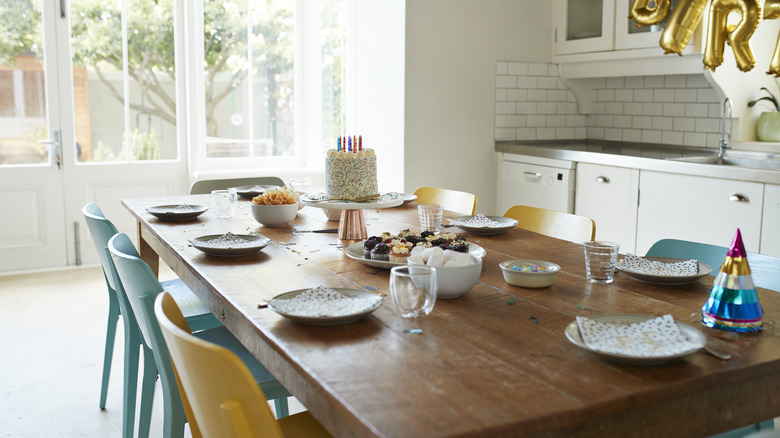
(645, 16)
(682, 23)
(772, 12)
(737, 35)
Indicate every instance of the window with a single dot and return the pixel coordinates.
(273, 82)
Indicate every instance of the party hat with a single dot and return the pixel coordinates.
(733, 304)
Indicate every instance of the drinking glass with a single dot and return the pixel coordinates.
(600, 259)
(223, 201)
(413, 290)
(430, 217)
(301, 186)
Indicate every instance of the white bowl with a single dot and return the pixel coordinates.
(529, 279)
(274, 215)
(455, 281)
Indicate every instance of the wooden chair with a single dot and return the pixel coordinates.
(207, 185)
(453, 200)
(141, 288)
(553, 223)
(764, 269)
(101, 229)
(221, 395)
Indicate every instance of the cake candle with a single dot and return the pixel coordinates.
(339, 147)
(361, 143)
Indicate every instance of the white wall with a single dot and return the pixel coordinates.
(452, 47)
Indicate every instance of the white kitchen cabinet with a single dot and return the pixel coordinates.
(589, 26)
(609, 196)
(770, 225)
(699, 209)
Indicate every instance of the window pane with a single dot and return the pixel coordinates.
(22, 87)
(99, 80)
(333, 48)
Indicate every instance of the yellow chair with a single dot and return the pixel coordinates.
(219, 394)
(553, 223)
(453, 200)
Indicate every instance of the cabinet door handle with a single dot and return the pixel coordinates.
(533, 174)
(738, 197)
(602, 179)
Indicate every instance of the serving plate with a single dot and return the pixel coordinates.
(704, 270)
(572, 332)
(407, 197)
(249, 192)
(177, 212)
(252, 245)
(506, 224)
(355, 252)
(376, 302)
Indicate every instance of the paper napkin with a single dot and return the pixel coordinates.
(655, 337)
(642, 265)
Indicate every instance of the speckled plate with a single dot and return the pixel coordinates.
(355, 252)
(704, 270)
(329, 320)
(249, 192)
(256, 243)
(177, 212)
(572, 332)
(507, 223)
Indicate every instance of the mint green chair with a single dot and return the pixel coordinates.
(764, 269)
(141, 288)
(197, 314)
(207, 185)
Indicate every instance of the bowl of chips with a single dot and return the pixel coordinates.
(275, 208)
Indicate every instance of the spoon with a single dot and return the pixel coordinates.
(718, 354)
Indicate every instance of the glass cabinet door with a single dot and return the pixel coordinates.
(584, 26)
(630, 36)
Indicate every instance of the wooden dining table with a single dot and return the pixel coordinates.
(494, 362)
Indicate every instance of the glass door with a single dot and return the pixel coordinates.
(32, 232)
(584, 26)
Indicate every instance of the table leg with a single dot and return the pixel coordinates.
(352, 225)
(147, 253)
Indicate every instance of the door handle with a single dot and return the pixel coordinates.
(738, 197)
(602, 179)
(53, 146)
(533, 174)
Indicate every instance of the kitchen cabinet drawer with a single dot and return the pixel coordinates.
(770, 226)
(699, 209)
(609, 196)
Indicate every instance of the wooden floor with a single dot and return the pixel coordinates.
(53, 330)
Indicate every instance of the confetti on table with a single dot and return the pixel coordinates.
(413, 331)
(371, 288)
(534, 319)
(512, 302)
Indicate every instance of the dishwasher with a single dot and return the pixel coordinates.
(536, 182)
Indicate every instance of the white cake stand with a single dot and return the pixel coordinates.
(352, 225)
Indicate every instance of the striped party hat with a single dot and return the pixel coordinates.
(733, 304)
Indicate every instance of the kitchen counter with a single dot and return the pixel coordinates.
(641, 156)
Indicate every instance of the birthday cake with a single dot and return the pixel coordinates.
(351, 175)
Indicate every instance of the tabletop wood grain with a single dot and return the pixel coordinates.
(494, 362)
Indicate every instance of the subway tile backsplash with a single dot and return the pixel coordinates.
(532, 103)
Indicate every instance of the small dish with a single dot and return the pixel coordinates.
(529, 278)
(572, 332)
(249, 192)
(355, 252)
(236, 245)
(704, 270)
(485, 225)
(180, 212)
(373, 302)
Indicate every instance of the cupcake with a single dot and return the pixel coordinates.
(369, 244)
(380, 252)
(399, 253)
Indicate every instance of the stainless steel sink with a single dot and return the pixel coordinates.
(752, 160)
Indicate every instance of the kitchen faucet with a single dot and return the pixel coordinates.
(725, 128)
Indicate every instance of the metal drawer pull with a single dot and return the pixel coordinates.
(738, 197)
(534, 174)
(602, 179)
